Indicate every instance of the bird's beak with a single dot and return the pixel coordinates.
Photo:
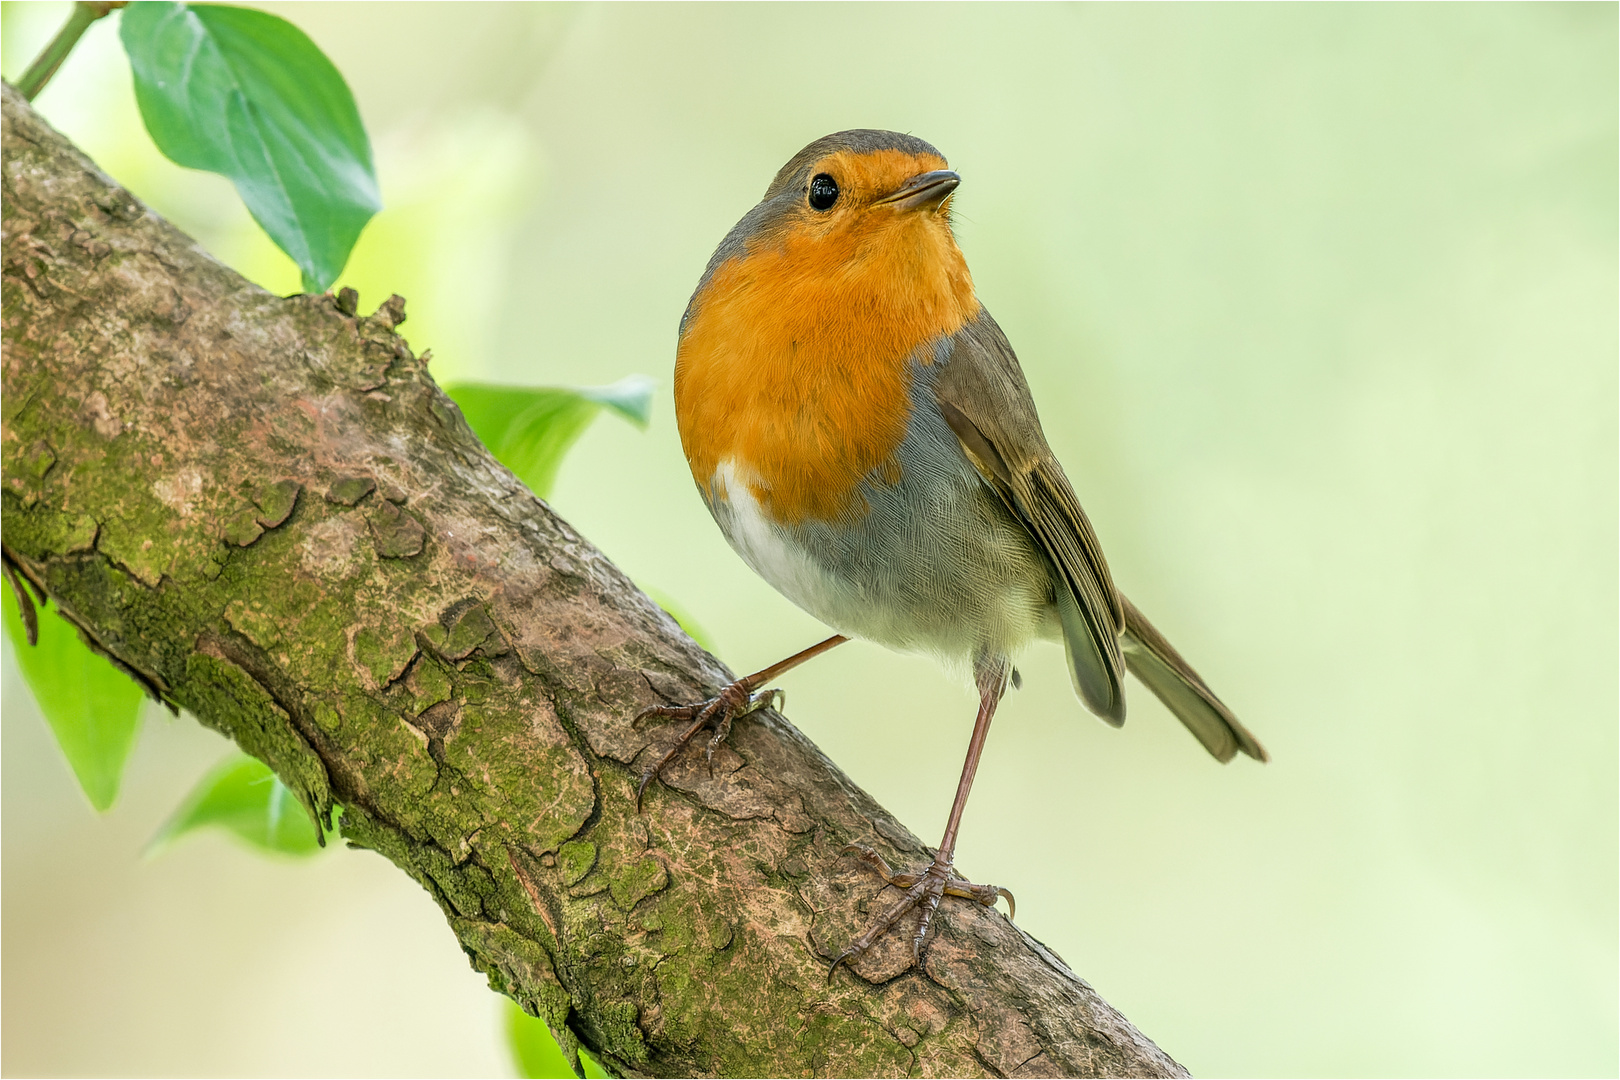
(926, 191)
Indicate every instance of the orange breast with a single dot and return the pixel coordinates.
(795, 361)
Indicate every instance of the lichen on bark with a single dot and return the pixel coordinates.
(266, 510)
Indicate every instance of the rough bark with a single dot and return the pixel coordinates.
(266, 511)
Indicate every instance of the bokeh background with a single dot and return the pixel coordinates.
(1319, 306)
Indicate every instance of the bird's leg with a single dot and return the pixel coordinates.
(923, 891)
(736, 699)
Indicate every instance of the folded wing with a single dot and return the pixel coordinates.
(983, 397)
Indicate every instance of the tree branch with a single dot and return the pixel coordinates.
(267, 512)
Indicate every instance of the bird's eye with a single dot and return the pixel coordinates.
(823, 192)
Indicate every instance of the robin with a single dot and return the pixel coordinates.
(860, 430)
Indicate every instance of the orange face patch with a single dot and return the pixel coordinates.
(795, 361)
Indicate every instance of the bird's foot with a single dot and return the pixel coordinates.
(736, 699)
(922, 892)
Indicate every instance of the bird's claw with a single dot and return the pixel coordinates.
(923, 891)
(719, 711)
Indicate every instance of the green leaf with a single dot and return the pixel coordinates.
(247, 95)
(243, 796)
(534, 1051)
(93, 708)
(529, 429)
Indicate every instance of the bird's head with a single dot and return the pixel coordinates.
(857, 218)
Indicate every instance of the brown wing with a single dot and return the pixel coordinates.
(983, 396)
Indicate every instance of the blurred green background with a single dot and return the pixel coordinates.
(1319, 306)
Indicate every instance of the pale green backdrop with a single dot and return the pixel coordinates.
(1319, 306)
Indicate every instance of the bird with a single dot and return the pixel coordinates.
(860, 429)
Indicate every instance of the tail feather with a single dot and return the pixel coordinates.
(1162, 670)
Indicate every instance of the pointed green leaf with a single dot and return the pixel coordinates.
(531, 428)
(248, 95)
(243, 796)
(93, 708)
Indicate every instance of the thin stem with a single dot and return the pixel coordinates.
(45, 64)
